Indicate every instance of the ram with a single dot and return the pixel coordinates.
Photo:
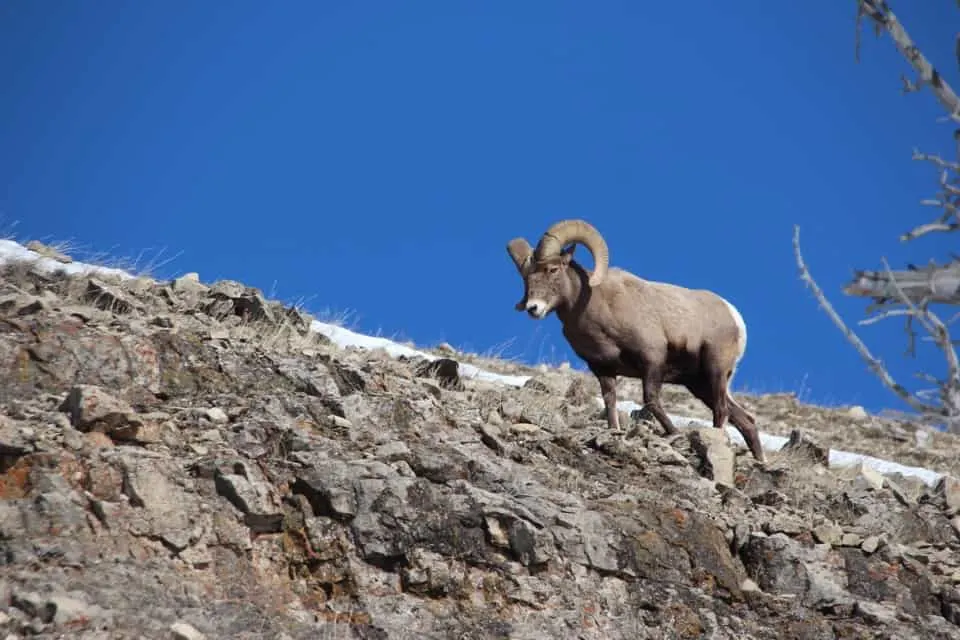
(623, 325)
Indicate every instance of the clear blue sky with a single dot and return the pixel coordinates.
(375, 157)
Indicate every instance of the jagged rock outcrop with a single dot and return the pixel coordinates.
(184, 461)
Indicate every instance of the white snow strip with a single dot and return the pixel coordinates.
(11, 251)
(347, 338)
(772, 442)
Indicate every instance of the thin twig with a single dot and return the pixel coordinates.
(937, 160)
(873, 363)
(889, 313)
(930, 227)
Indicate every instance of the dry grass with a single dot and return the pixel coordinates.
(146, 263)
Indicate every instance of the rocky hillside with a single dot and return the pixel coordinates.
(180, 460)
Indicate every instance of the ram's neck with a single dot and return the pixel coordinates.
(576, 292)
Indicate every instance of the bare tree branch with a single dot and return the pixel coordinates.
(932, 284)
(948, 389)
(908, 294)
(937, 160)
(873, 363)
(884, 18)
(941, 336)
(944, 406)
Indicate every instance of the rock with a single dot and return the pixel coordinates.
(92, 408)
(875, 613)
(217, 416)
(868, 478)
(143, 429)
(850, 540)
(523, 428)
(71, 611)
(870, 544)
(786, 523)
(950, 604)
(580, 391)
(34, 605)
(898, 492)
(340, 423)
(21, 305)
(828, 533)
(496, 533)
(48, 252)
(184, 631)
(446, 348)
(392, 451)
(166, 507)
(490, 436)
(228, 298)
(948, 490)
(749, 586)
(243, 485)
(108, 298)
(716, 455)
(57, 609)
(445, 370)
(857, 412)
(801, 445)
(13, 442)
(548, 382)
(188, 283)
(219, 334)
(779, 564)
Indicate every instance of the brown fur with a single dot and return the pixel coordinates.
(658, 332)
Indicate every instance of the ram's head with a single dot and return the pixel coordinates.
(546, 269)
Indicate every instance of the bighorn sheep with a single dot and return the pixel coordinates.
(620, 324)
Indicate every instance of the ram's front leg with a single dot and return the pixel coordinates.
(608, 390)
(652, 381)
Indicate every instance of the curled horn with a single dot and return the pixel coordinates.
(566, 231)
(519, 249)
(521, 253)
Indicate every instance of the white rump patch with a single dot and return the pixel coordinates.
(741, 338)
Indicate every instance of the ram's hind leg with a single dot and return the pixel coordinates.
(747, 427)
(717, 398)
(713, 392)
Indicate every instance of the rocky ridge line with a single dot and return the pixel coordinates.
(184, 460)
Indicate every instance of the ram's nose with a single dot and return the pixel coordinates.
(536, 308)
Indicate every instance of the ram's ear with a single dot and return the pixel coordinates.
(521, 252)
(566, 256)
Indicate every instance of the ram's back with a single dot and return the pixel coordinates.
(648, 311)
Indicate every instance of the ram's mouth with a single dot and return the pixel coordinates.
(537, 308)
